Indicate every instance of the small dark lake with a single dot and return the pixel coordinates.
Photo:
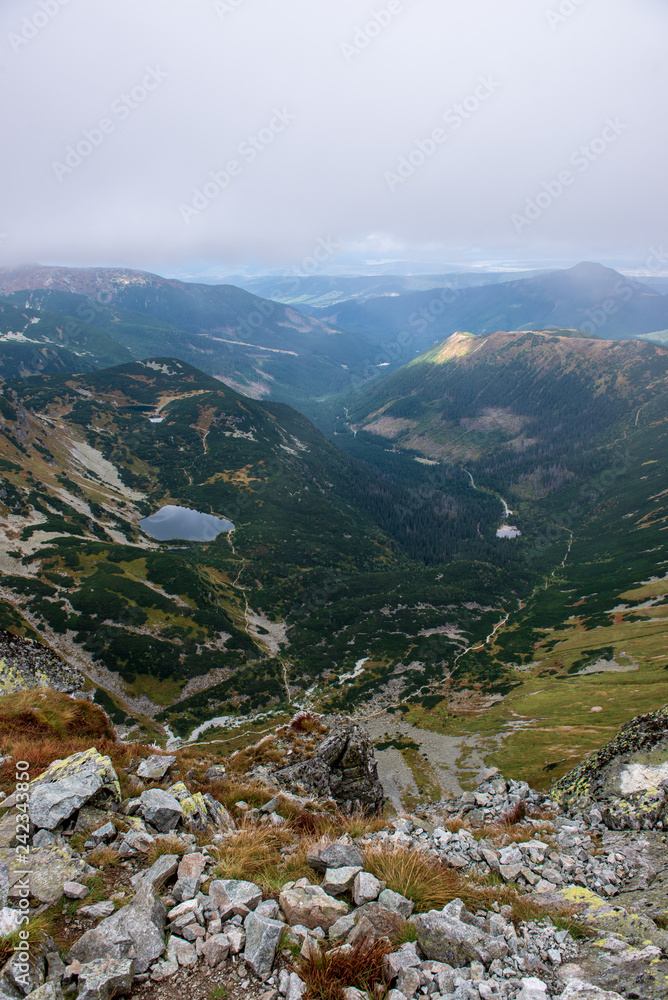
(182, 522)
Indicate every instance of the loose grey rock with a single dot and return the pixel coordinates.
(342, 927)
(69, 784)
(577, 989)
(366, 888)
(192, 865)
(16, 981)
(216, 949)
(296, 987)
(45, 838)
(10, 921)
(376, 922)
(164, 970)
(189, 906)
(532, 989)
(243, 895)
(48, 991)
(75, 890)
(159, 873)
(55, 967)
(263, 936)
(105, 978)
(135, 842)
(97, 910)
(49, 868)
(182, 952)
(395, 901)
(338, 881)
(334, 855)
(135, 931)
(409, 981)
(215, 773)
(446, 939)
(405, 957)
(311, 906)
(160, 809)
(186, 888)
(155, 767)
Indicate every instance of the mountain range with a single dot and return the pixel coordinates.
(588, 297)
(307, 356)
(480, 539)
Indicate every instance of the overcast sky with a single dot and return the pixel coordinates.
(490, 127)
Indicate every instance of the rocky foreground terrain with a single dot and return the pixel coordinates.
(276, 872)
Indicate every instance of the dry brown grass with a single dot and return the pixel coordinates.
(499, 832)
(264, 854)
(266, 751)
(332, 825)
(456, 824)
(229, 791)
(307, 722)
(104, 857)
(41, 726)
(508, 829)
(328, 971)
(432, 884)
(169, 844)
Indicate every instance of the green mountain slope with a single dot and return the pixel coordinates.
(573, 434)
(315, 578)
(516, 396)
(34, 341)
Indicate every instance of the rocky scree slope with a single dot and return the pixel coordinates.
(172, 872)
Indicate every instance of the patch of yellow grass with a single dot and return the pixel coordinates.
(169, 844)
(104, 857)
(265, 855)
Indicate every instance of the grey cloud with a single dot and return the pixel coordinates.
(116, 115)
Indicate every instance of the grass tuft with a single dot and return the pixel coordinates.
(307, 722)
(38, 928)
(514, 814)
(328, 971)
(428, 882)
(264, 855)
(104, 857)
(169, 844)
(432, 884)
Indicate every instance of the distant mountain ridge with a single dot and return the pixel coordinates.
(589, 297)
(268, 348)
(256, 345)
